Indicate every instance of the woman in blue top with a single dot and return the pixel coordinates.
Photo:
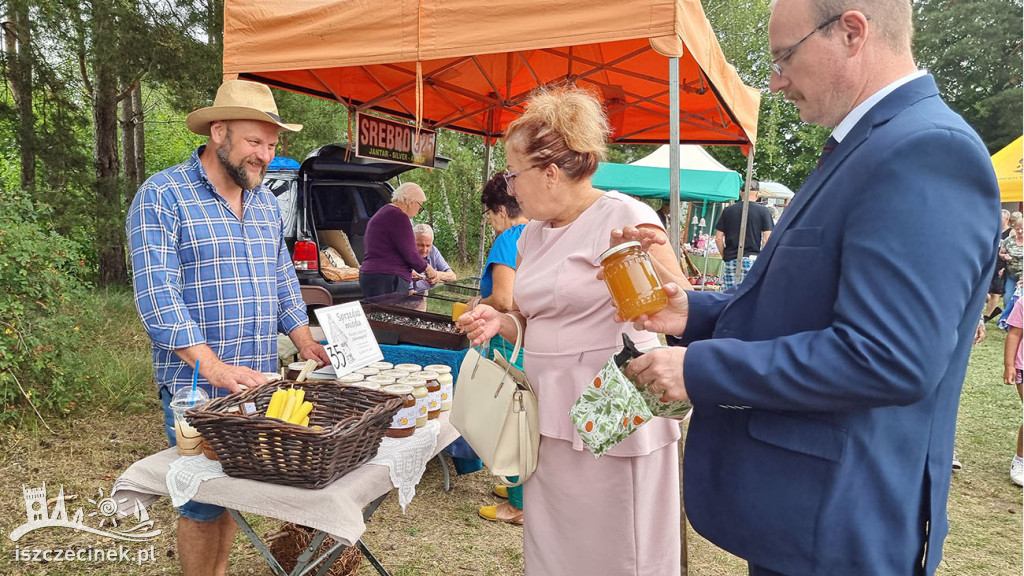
(505, 218)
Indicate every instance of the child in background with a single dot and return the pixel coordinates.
(1013, 363)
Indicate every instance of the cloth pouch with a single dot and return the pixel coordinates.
(609, 410)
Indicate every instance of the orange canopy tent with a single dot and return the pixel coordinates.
(480, 59)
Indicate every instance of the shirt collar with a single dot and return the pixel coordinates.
(857, 113)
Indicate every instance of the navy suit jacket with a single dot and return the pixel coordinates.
(825, 386)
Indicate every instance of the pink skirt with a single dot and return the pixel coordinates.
(617, 516)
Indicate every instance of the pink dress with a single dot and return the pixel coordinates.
(618, 515)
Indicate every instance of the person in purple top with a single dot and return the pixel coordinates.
(425, 246)
(390, 255)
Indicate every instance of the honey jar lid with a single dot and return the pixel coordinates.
(380, 379)
(382, 365)
(425, 375)
(368, 371)
(367, 385)
(616, 249)
(350, 378)
(408, 367)
(397, 389)
(412, 381)
(439, 368)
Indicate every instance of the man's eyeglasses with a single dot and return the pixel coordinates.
(787, 53)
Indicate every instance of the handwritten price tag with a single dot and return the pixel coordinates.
(350, 341)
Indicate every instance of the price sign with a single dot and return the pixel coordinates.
(350, 341)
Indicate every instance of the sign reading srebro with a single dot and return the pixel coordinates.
(391, 141)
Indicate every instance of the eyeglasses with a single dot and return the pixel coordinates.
(787, 53)
(511, 177)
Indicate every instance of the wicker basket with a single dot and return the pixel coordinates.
(353, 421)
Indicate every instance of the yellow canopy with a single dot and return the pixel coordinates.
(471, 64)
(1007, 163)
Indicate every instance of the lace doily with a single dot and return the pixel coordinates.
(406, 459)
(186, 473)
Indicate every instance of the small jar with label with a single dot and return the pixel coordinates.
(632, 281)
(434, 393)
(394, 373)
(367, 371)
(382, 365)
(403, 423)
(419, 391)
(350, 379)
(444, 376)
(380, 380)
(410, 368)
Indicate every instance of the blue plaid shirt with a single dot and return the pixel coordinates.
(204, 277)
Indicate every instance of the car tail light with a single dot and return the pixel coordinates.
(306, 256)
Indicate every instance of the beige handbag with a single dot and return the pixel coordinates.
(495, 410)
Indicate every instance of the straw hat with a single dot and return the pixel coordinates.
(238, 100)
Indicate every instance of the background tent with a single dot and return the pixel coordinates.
(1007, 163)
(653, 182)
(775, 190)
(691, 157)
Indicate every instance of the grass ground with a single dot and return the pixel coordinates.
(440, 534)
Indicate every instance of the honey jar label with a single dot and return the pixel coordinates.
(434, 400)
(404, 418)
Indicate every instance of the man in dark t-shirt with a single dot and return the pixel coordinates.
(727, 234)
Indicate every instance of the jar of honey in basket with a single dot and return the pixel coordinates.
(403, 423)
(632, 281)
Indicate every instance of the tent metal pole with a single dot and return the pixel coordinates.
(673, 153)
(743, 219)
(483, 221)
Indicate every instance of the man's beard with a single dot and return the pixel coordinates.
(237, 172)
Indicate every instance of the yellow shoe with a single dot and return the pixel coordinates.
(500, 491)
(503, 512)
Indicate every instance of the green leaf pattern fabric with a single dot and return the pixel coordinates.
(609, 410)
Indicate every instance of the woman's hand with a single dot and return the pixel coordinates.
(645, 236)
(479, 324)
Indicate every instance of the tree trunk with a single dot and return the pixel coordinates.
(109, 211)
(131, 169)
(140, 135)
(18, 51)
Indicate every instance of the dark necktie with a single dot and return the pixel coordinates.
(827, 149)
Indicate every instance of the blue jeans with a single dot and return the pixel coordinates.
(192, 510)
(1009, 285)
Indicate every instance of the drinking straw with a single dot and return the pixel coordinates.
(195, 382)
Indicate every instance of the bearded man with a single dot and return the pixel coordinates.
(213, 280)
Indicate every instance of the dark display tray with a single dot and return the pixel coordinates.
(408, 326)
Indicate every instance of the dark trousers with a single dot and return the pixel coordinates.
(377, 284)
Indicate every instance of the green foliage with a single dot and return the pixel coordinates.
(323, 122)
(40, 286)
(973, 47)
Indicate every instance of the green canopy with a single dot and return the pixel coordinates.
(652, 182)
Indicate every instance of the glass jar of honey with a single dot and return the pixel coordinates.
(444, 376)
(632, 281)
(403, 423)
(419, 391)
(433, 393)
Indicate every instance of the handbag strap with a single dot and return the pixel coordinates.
(519, 339)
(526, 449)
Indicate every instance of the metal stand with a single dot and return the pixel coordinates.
(306, 562)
